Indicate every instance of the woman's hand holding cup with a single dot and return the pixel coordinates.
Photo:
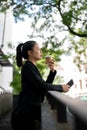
(50, 62)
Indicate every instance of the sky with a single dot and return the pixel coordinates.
(21, 30)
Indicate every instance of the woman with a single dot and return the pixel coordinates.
(34, 88)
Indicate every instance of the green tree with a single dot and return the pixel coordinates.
(78, 48)
(51, 17)
(81, 55)
(70, 13)
(16, 83)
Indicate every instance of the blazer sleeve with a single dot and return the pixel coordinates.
(33, 79)
(51, 76)
(32, 75)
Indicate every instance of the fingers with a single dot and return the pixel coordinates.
(51, 65)
(65, 88)
(49, 59)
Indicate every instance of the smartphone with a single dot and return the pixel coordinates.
(70, 83)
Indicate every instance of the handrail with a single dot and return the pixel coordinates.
(75, 105)
(2, 88)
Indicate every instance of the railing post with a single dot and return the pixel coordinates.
(79, 124)
(61, 112)
(60, 107)
(51, 101)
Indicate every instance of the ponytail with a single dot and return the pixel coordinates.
(19, 55)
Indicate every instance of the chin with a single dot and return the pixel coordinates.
(40, 58)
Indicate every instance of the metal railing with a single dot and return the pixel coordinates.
(77, 107)
(3, 90)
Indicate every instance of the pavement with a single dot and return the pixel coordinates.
(49, 120)
(5, 122)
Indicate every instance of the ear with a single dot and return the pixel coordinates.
(30, 52)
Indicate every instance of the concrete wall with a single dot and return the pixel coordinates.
(6, 73)
(6, 21)
(6, 77)
(6, 102)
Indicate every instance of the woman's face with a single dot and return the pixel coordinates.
(36, 53)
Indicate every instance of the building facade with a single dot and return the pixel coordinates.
(6, 69)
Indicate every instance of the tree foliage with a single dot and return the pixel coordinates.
(51, 17)
(80, 53)
(73, 13)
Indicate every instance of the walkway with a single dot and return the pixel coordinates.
(5, 122)
(49, 120)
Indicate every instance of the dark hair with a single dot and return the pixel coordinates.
(21, 51)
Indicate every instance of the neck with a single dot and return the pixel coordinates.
(33, 61)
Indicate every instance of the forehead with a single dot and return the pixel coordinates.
(36, 45)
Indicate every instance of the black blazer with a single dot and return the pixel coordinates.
(33, 91)
(33, 86)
